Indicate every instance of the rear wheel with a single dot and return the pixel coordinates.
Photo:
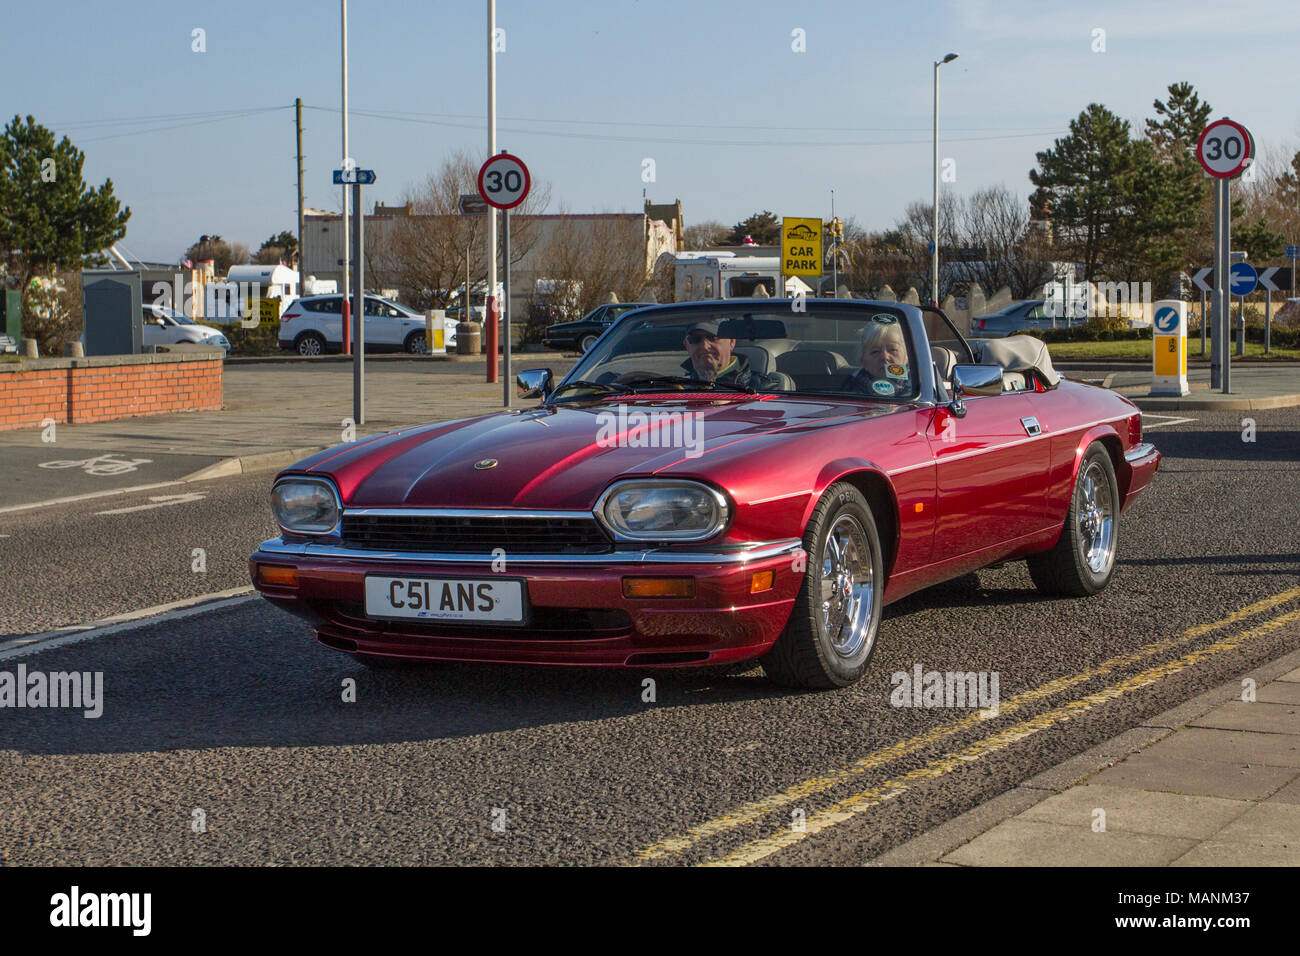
(417, 343)
(1083, 560)
(587, 342)
(832, 630)
(310, 343)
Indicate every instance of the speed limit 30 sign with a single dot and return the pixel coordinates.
(1224, 148)
(504, 181)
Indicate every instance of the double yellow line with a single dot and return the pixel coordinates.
(866, 799)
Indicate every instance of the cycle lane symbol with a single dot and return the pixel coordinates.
(100, 465)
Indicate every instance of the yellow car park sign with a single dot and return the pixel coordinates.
(801, 247)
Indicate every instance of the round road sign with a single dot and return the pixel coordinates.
(504, 181)
(1242, 278)
(1166, 320)
(1224, 148)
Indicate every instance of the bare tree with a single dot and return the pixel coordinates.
(995, 221)
(704, 235)
(608, 255)
(424, 254)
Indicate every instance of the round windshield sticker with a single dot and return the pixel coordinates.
(882, 388)
(894, 370)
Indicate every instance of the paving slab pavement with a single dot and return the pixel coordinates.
(275, 408)
(1220, 789)
(1254, 388)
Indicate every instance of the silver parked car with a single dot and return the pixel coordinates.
(1030, 314)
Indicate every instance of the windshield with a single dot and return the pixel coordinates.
(864, 353)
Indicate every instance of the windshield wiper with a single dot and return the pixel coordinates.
(692, 382)
(603, 387)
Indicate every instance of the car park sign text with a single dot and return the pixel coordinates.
(801, 247)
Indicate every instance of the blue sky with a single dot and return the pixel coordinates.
(734, 119)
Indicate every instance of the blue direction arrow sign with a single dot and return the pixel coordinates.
(1166, 320)
(1242, 278)
(346, 177)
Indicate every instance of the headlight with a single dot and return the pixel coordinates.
(305, 505)
(663, 510)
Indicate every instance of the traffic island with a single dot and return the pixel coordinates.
(34, 392)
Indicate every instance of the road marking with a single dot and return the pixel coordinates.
(100, 464)
(867, 799)
(93, 494)
(1173, 420)
(188, 607)
(756, 810)
(158, 501)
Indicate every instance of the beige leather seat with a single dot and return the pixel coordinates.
(944, 361)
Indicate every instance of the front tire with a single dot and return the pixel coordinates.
(1083, 560)
(586, 344)
(832, 631)
(417, 343)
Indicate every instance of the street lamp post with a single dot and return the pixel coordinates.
(934, 234)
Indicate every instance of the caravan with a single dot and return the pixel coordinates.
(725, 275)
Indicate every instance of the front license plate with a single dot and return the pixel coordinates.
(446, 599)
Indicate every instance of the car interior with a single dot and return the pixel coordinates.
(814, 365)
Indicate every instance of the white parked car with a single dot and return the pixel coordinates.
(163, 326)
(313, 325)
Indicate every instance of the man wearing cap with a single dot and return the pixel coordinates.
(710, 359)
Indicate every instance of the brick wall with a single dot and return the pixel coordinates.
(100, 389)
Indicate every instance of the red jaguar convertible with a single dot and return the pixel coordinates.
(712, 482)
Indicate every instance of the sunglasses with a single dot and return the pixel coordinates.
(695, 338)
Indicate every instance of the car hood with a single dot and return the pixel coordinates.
(562, 457)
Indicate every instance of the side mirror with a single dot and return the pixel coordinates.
(970, 380)
(974, 380)
(533, 383)
(160, 321)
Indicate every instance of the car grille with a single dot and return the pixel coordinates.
(461, 534)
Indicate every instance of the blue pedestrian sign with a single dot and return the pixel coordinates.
(1166, 321)
(1242, 278)
(347, 177)
(1293, 252)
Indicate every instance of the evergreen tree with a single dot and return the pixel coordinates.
(50, 220)
(1178, 123)
(1084, 180)
(763, 227)
(1259, 242)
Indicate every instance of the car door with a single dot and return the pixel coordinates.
(152, 333)
(384, 326)
(325, 317)
(991, 473)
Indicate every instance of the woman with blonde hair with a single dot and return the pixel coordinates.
(883, 357)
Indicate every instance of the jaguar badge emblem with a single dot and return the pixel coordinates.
(485, 464)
